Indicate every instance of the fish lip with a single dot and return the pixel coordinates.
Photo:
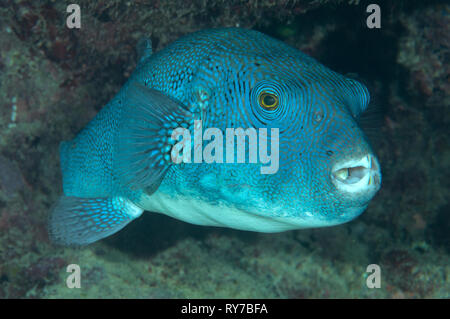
(365, 161)
(362, 174)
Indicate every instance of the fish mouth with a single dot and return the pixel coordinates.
(357, 175)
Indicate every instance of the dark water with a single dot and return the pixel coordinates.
(53, 80)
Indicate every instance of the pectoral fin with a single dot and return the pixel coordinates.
(143, 142)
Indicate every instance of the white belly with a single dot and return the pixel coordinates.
(202, 213)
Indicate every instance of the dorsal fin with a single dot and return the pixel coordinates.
(144, 49)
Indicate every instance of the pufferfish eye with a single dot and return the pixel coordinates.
(268, 101)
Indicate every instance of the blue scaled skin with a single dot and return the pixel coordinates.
(119, 165)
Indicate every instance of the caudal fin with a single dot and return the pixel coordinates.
(78, 221)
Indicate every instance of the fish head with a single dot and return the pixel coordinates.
(326, 171)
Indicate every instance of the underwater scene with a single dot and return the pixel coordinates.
(178, 149)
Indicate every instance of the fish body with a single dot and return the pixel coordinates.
(122, 162)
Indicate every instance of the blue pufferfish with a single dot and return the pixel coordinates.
(119, 164)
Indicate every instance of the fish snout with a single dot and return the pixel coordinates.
(358, 175)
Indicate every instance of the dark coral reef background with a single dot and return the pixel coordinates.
(53, 80)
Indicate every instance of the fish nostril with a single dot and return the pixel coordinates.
(318, 116)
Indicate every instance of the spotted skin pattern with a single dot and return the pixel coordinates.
(217, 76)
